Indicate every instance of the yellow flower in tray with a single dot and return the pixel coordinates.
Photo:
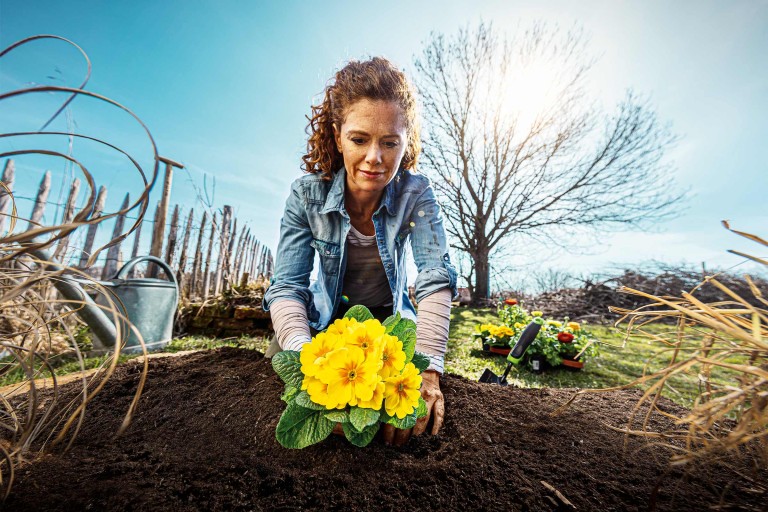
(401, 393)
(313, 353)
(392, 356)
(574, 326)
(350, 376)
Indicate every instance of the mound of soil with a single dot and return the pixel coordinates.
(203, 439)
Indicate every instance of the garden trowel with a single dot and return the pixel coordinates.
(515, 355)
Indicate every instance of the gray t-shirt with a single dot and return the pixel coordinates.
(365, 281)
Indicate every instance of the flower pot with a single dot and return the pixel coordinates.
(571, 363)
(504, 351)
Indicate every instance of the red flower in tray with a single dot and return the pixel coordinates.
(510, 302)
(565, 337)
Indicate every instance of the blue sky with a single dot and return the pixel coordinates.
(224, 87)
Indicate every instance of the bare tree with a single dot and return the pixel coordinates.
(515, 149)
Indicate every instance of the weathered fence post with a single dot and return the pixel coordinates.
(69, 214)
(198, 257)
(135, 249)
(9, 173)
(228, 264)
(90, 236)
(183, 256)
(40, 200)
(170, 249)
(207, 274)
(226, 219)
(158, 232)
(113, 253)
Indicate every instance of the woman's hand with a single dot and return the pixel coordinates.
(430, 391)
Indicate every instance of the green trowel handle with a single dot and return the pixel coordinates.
(518, 351)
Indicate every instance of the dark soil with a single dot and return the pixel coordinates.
(203, 439)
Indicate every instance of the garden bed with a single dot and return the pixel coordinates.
(203, 439)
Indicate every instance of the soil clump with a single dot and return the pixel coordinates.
(203, 438)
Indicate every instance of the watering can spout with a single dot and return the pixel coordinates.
(91, 314)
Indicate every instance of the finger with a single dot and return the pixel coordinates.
(402, 436)
(439, 413)
(421, 423)
(388, 434)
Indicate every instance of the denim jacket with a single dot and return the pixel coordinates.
(315, 221)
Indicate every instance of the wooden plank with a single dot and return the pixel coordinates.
(226, 218)
(9, 173)
(90, 236)
(35, 219)
(239, 254)
(229, 263)
(69, 214)
(170, 248)
(181, 272)
(158, 232)
(207, 274)
(198, 260)
(135, 249)
(113, 253)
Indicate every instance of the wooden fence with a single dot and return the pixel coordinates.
(208, 251)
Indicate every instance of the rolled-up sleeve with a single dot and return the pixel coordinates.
(295, 255)
(430, 248)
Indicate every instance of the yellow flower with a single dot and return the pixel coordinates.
(518, 325)
(401, 392)
(574, 326)
(555, 323)
(318, 391)
(375, 401)
(313, 354)
(349, 376)
(367, 336)
(392, 356)
(486, 327)
(341, 326)
(501, 331)
(536, 313)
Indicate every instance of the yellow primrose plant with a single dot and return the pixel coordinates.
(359, 372)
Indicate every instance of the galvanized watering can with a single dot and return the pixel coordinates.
(149, 304)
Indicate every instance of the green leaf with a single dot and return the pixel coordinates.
(401, 326)
(420, 361)
(288, 367)
(405, 423)
(289, 393)
(300, 427)
(359, 313)
(391, 322)
(408, 337)
(303, 399)
(362, 418)
(421, 409)
(337, 416)
(363, 438)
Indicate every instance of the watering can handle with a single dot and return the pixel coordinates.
(154, 259)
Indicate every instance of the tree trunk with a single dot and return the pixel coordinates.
(482, 285)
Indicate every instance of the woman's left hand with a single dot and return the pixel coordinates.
(430, 392)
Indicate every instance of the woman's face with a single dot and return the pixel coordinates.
(372, 140)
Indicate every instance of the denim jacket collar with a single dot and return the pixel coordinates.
(335, 200)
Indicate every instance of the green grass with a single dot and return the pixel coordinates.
(619, 363)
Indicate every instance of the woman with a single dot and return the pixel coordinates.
(359, 204)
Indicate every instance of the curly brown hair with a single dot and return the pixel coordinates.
(374, 79)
